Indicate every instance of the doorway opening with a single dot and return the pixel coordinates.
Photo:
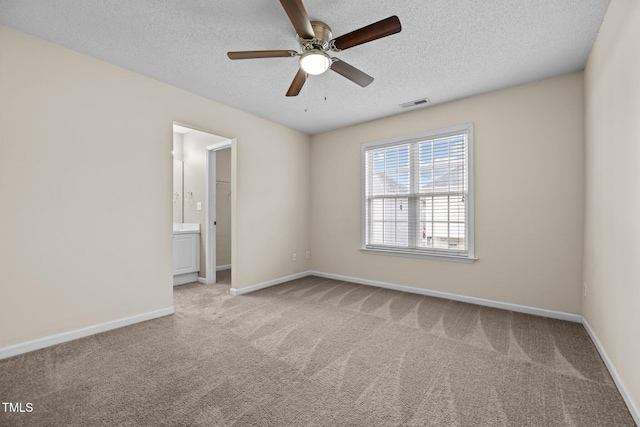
(203, 205)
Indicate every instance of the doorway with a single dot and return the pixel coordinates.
(219, 198)
(203, 199)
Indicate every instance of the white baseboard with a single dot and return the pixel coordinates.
(203, 280)
(614, 374)
(25, 347)
(472, 300)
(455, 297)
(270, 283)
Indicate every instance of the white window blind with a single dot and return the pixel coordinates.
(418, 195)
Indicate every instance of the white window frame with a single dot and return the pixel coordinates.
(422, 253)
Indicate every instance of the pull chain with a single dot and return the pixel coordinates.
(325, 87)
(306, 92)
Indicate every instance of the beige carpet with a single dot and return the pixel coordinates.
(323, 353)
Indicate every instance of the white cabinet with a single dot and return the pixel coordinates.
(186, 253)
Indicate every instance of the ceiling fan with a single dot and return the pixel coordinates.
(315, 40)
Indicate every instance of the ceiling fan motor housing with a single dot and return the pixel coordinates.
(321, 40)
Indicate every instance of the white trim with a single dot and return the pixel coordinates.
(467, 129)
(219, 145)
(210, 209)
(234, 209)
(418, 254)
(199, 129)
(234, 291)
(455, 297)
(223, 267)
(25, 347)
(202, 280)
(553, 314)
(614, 374)
(471, 191)
(39, 343)
(432, 134)
(210, 203)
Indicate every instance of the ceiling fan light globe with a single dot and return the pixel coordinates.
(315, 62)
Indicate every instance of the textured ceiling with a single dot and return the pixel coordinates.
(447, 49)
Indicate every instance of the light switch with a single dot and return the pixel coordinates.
(199, 206)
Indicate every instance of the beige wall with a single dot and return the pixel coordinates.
(529, 156)
(87, 213)
(195, 176)
(223, 207)
(612, 232)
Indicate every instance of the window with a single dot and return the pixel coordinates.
(418, 195)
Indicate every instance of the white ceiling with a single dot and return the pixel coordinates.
(447, 49)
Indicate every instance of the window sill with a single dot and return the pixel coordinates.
(414, 254)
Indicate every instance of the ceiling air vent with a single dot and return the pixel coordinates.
(415, 103)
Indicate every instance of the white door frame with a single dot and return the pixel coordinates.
(210, 207)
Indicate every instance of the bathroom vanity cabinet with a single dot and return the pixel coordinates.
(186, 253)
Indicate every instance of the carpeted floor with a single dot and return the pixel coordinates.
(319, 352)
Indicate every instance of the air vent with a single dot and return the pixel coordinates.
(415, 103)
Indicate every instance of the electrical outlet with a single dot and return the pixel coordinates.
(295, 257)
(584, 288)
(308, 254)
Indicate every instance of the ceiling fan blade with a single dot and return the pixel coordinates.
(375, 31)
(298, 17)
(352, 73)
(297, 84)
(250, 54)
